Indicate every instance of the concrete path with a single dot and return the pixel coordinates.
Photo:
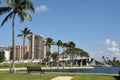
(63, 78)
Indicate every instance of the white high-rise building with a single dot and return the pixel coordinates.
(36, 46)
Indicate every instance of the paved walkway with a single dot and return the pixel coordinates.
(63, 78)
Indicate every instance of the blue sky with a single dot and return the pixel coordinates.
(94, 25)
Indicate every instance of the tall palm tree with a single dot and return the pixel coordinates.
(49, 42)
(16, 7)
(104, 60)
(59, 43)
(64, 45)
(25, 33)
(71, 47)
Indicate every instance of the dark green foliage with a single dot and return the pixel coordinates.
(2, 57)
(113, 62)
(119, 73)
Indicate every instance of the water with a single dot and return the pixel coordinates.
(102, 70)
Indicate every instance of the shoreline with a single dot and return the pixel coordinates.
(49, 68)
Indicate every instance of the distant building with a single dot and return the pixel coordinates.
(3, 48)
(18, 52)
(7, 55)
(37, 47)
(4, 52)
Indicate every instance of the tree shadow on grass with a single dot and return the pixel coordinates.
(117, 77)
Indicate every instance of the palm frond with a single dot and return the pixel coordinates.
(6, 18)
(11, 2)
(19, 35)
(29, 38)
(28, 17)
(28, 5)
(21, 17)
(4, 10)
(17, 2)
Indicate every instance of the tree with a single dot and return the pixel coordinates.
(49, 42)
(2, 57)
(104, 60)
(48, 57)
(25, 33)
(71, 47)
(59, 43)
(55, 57)
(81, 53)
(114, 61)
(16, 7)
(64, 45)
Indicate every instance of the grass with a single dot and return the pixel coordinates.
(49, 76)
(22, 65)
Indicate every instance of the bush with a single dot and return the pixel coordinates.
(119, 73)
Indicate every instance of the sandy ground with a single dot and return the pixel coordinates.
(63, 78)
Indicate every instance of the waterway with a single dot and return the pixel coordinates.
(101, 70)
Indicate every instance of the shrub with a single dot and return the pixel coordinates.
(119, 73)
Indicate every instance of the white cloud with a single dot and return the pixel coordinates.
(114, 44)
(111, 43)
(107, 41)
(41, 8)
(113, 49)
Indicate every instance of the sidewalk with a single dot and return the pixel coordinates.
(63, 78)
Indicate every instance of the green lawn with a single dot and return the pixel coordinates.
(49, 76)
(21, 65)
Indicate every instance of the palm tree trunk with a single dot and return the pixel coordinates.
(63, 58)
(46, 57)
(30, 54)
(58, 58)
(23, 49)
(12, 69)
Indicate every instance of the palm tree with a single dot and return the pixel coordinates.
(71, 47)
(16, 7)
(64, 45)
(48, 57)
(49, 42)
(114, 61)
(104, 60)
(25, 33)
(55, 57)
(59, 43)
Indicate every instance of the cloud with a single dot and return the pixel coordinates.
(113, 49)
(112, 46)
(107, 41)
(41, 8)
(114, 43)
(111, 43)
